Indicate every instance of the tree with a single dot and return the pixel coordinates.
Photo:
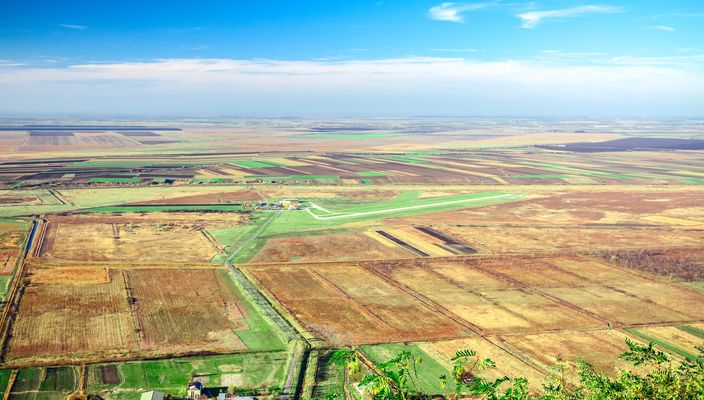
(397, 378)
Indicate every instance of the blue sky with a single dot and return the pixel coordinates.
(353, 57)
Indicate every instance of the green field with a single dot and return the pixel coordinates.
(257, 163)
(232, 238)
(4, 379)
(420, 160)
(262, 371)
(371, 173)
(330, 378)
(692, 331)
(407, 203)
(261, 334)
(269, 178)
(428, 370)
(343, 212)
(115, 180)
(44, 383)
(4, 283)
(666, 345)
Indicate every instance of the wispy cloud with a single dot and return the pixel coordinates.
(10, 64)
(74, 27)
(531, 19)
(664, 28)
(444, 85)
(678, 14)
(452, 12)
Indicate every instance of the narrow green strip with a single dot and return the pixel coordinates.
(661, 343)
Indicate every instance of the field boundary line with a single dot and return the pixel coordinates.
(504, 346)
(559, 302)
(434, 306)
(351, 299)
(10, 384)
(139, 335)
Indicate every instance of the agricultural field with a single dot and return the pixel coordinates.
(155, 238)
(51, 383)
(489, 295)
(93, 313)
(352, 305)
(262, 371)
(164, 252)
(13, 235)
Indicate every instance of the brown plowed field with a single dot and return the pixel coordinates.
(505, 239)
(212, 198)
(487, 302)
(351, 305)
(502, 295)
(76, 314)
(185, 310)
(70, 275)
(600, 348)
(73, 321)
(332, 247)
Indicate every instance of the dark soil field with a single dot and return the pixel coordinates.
(683, 264)
(213, 198)
(649, 143)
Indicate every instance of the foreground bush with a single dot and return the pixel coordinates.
(397, 379)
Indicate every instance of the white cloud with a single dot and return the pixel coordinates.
(531, 19)
(452, 11)
(664, 28)
(402, 86)
(74, 26)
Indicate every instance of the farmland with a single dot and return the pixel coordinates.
(117, 313)
(160, 256)
(128, 380)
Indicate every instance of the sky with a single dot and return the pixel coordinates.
(352, 58)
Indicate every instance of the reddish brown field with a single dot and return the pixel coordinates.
(212, 198)
(684, 264)
(536, 294)
(351, 305)
(185, 310)
(72, 321)
(332, 247)
(78, 314)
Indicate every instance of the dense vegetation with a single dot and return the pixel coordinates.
(682, 264)
(397, 378)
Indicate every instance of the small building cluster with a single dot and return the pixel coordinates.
(197, 391)
(285, 204)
